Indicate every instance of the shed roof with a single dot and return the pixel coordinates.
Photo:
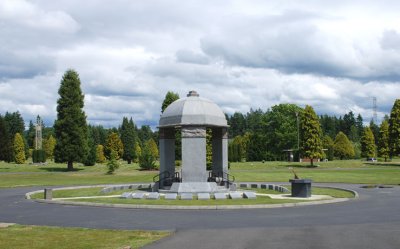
(193, 110)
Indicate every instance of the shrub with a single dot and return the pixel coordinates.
(38, 156)
(147, 160)
(113, 163)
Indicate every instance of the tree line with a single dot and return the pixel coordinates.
(254, 136)
(269, 135)
(71, 139)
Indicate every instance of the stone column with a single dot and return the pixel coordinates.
(194, 154)
(167, 151)
(220, 150)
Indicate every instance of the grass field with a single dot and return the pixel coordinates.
(42, 237)
(347, 171)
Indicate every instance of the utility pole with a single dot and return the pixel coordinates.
(374, 109)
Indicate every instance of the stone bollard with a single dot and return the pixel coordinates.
(48, 193)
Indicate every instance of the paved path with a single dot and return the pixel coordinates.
(371, 221)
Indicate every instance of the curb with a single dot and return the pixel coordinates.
(177, 207)
(213, 207)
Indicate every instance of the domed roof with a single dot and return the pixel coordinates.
(193, 110)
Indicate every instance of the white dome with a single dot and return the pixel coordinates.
(193, 110)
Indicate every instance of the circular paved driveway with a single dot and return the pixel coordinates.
(371, 221)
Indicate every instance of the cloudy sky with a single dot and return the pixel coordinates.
(333, 55)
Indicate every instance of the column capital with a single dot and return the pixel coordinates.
(193, 132)
(167, 133)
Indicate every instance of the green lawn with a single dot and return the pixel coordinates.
(42, 237)
(346, 171)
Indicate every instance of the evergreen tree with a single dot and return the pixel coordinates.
(70, 127)
(151, 144)
(100, 158)
(6, 152)
(48, 146)
(90, 159)
(256, 149)
(367, 143)
(279, 130)
(394, 129)
(310, 132)
(169, 98)
(15, 123)
(383, 140)
(147, 160)
(343, 148)
(113, 163)
(138, 151)
(375, 130)
(30, 135)
(128, 138)
(19, 149)
(114, 143)
(328, 144)
(359, 125)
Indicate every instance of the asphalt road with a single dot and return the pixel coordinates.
(371, 221)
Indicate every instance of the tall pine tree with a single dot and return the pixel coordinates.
(394, 129)
(70, 126)
(6, 152)
(128, 138)
(310, 131)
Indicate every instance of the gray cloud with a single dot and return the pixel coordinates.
(334, 56)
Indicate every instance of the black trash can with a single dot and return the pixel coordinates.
(301, 187)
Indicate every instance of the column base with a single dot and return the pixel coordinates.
(195, 187)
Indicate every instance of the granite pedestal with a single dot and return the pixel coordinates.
(301, 187)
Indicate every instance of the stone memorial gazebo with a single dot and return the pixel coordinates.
(192, 116)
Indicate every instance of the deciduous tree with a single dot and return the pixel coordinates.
(169, 98)
(114, 143)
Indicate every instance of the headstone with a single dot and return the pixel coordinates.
(249, 195)
(203, 196)
(170, 196)
(153, 196)
(186, 196)
(138, 195)
(235, 195)
(220, 196)
(126, 195)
